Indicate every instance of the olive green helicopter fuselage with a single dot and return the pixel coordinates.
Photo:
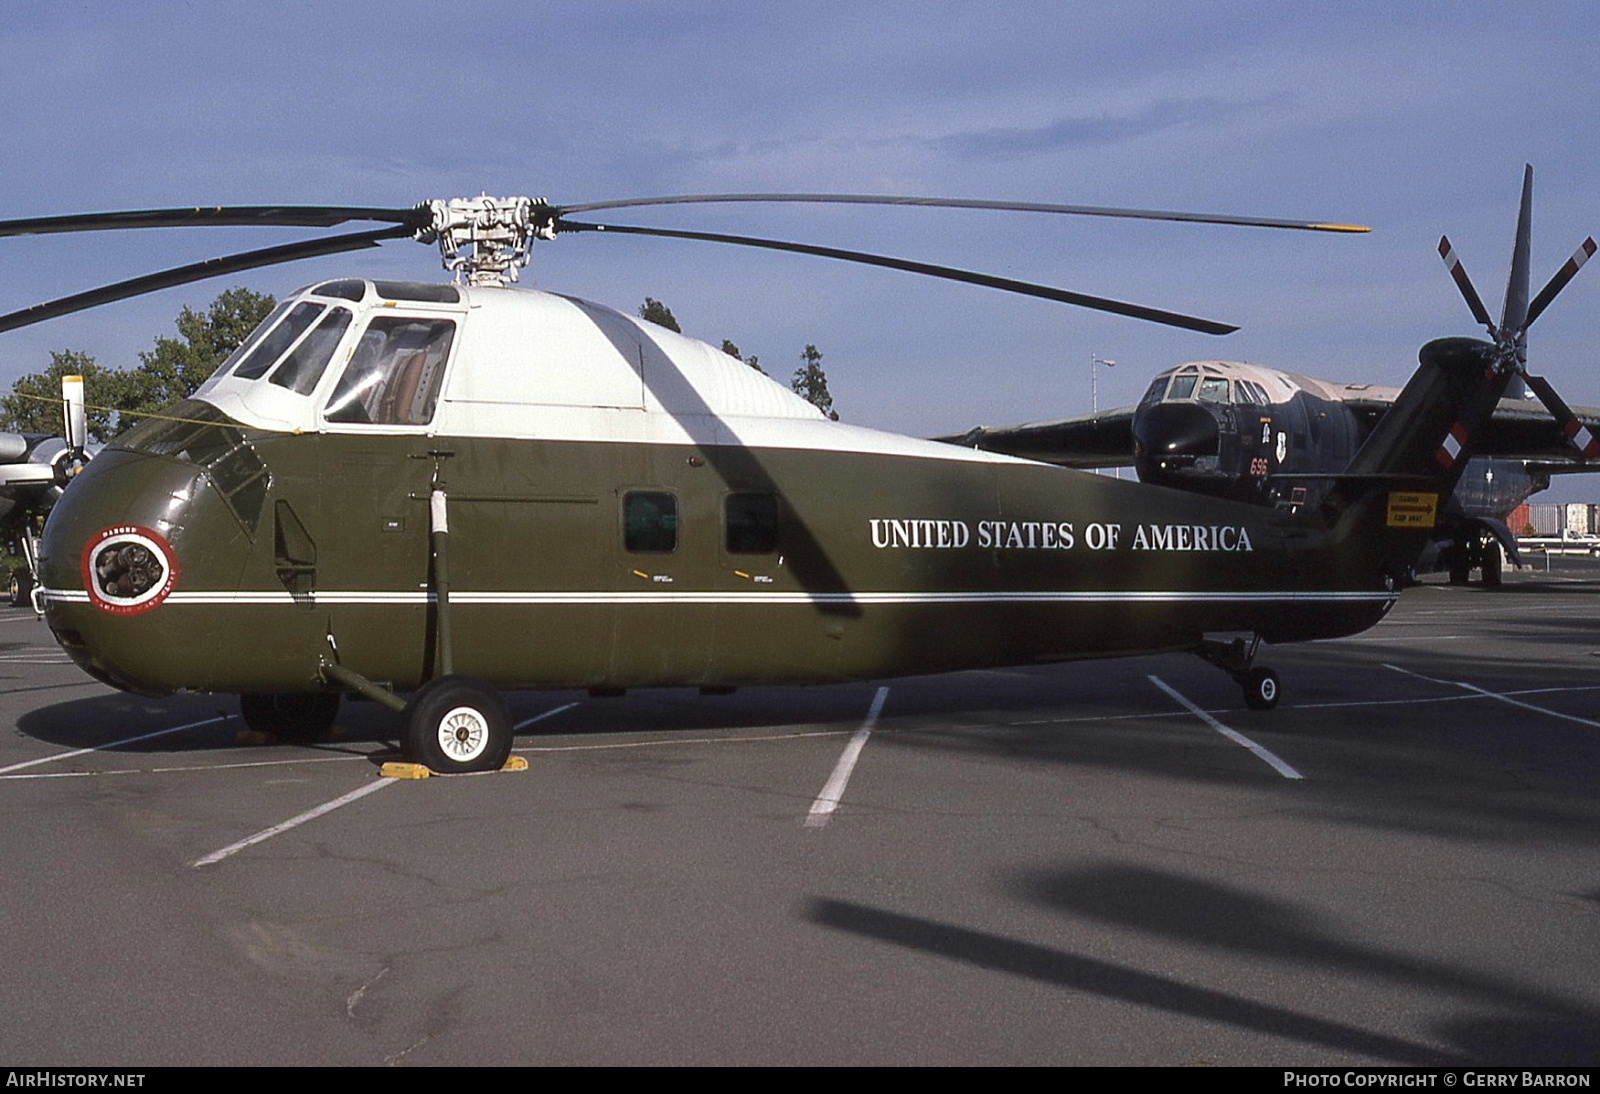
(392, 481)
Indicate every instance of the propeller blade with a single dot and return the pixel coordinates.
(1464, 283)
(1514, 315)
(74, 414)
(1566, 273)
(1098, 303)
(1574, 430)
(199, 271)
(965, 203)
(297, 216)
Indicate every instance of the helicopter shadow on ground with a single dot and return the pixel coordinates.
(1484, 1018)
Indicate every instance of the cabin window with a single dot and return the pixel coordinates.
(394, 375)
(279, 339)
(304, 366)
(650, 522)
(752, 524)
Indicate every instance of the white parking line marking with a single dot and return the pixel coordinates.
(1504, 698)
(294, 822)
(541, 717)
(113, 744)
(828, 800)
(1237, 738)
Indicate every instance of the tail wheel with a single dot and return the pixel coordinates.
(457, 724)
(303, 716)
(1261, 688)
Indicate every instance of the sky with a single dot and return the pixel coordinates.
(1414, 118)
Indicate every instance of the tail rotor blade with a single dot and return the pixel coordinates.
(1464, 283)
(1566, 273)
(1574, 430)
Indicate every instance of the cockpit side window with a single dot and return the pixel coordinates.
(394, 375)
(1213, 389)
(304, 366)
(280, 338)
(1157, 387)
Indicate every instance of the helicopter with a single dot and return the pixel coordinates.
(1271, 437)
(427, 494)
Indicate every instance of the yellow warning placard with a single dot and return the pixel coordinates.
(1413, 510)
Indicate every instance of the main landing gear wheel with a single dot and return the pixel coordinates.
(1261, 688)
(457, 724)
(301, 716)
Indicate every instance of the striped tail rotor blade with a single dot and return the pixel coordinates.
(1566, 273)
(1576, 433)
(1464, 283)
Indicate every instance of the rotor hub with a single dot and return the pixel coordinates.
(486, 240)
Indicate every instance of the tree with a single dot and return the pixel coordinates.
(654, 311)
(165, 374)
(34, 405)
(176, 366)
(811, 383)
(733, 351)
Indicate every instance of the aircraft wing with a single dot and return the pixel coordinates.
(1092, 440)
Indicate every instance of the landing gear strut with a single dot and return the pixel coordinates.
(1236, 657)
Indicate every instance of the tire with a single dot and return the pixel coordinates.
(21, 589)
(457, 724)
(301, 716)
(1491, 566)
(1261, 689)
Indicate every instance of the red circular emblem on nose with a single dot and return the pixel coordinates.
(128, 569)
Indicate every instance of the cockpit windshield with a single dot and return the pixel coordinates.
(394, 375)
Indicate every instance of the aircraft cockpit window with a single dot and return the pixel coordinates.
(304, 366)
(394, 375)
(427, 292)
(249, 344)
(280, 338)
(344, 290)
(1157, 387)
(752, 524)
(650, 522)
(1213, 389)
(1182, 386)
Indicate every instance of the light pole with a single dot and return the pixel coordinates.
(1094, 380)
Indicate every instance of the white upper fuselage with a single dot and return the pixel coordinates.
(532, 365)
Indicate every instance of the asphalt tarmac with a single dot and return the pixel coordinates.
(1096, 863)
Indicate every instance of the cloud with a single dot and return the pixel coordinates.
(1080, 132)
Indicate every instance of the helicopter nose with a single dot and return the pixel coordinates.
(116, 547)
(1179, 432)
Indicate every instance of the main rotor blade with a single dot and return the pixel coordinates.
(1566, 273)
(1098, 303)
(1514, 316)
(965, 203)
(1464, 283)
(199, 271)
(295, 216)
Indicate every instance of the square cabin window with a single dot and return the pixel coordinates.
(650, 522)
(752, 524)
(394, 375)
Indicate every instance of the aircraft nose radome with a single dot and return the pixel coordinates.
(117, 546)
(1176, 429)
